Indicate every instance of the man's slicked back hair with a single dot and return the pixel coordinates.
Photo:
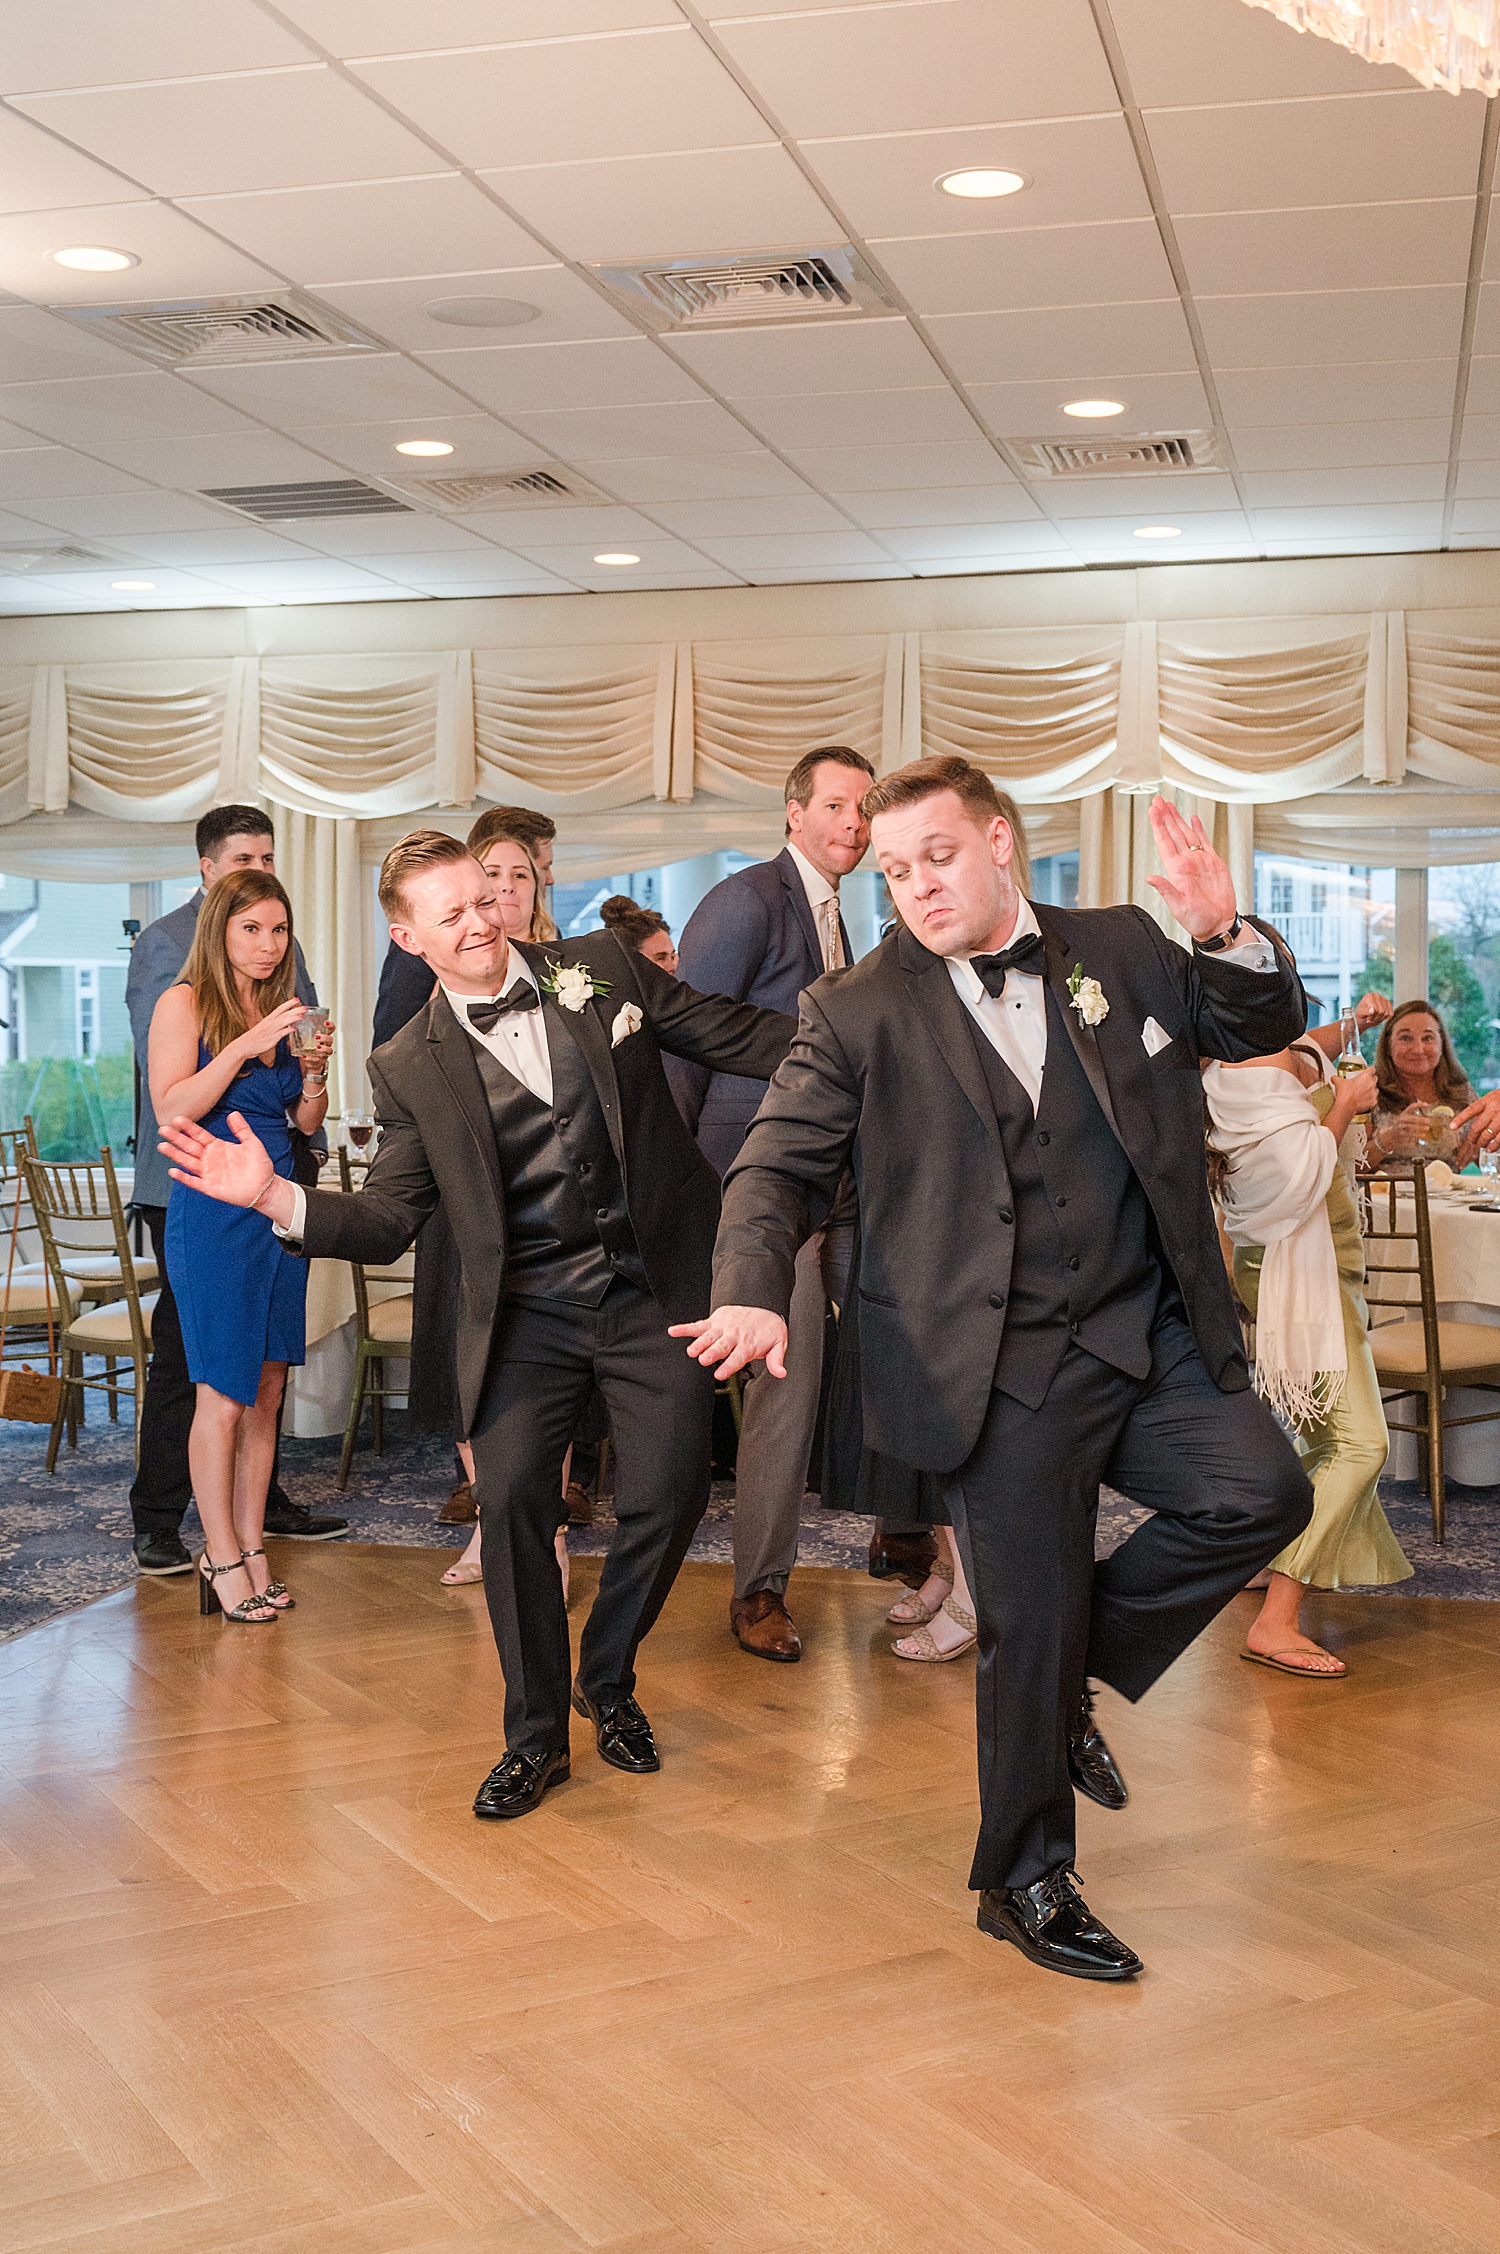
(520, 824)
(221, 822)
(924, 778)
(412, 856)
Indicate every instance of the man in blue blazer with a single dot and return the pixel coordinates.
(764, 935)
(228, 837)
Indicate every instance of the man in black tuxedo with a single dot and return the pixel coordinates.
(528, 1094)
(1041, 1299)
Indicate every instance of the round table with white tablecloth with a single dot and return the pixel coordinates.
(1466, 1276)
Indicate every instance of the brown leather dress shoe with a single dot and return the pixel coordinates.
(763, 1627)
(907, 1557)
(580, 1504)
(460, 1508)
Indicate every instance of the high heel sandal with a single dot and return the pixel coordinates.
(920, 1612)
(274, 1592)
(925, 1645)
(210, 1602)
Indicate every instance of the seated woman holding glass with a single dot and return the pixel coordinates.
(226, 1049)
(1422, 1086)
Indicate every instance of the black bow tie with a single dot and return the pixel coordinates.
(1022, 954)
(485, 1016)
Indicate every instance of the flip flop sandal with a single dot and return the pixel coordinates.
(1281, 1661)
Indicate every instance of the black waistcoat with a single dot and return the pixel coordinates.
(1087, 1269)
(568, 1232)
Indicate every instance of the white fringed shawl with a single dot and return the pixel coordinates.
(1280, 1164)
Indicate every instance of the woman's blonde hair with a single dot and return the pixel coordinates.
(541, 929)
(208, 971)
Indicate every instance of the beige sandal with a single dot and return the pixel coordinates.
(923, 1645)
(460, 1576)
(920, 1613)
(1282, 1662)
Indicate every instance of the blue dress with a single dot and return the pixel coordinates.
(241, 1297)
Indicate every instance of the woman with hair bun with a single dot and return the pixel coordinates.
(641, 928)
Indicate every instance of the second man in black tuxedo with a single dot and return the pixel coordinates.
(529, 1095)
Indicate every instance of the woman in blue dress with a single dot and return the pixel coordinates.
(219, 1055)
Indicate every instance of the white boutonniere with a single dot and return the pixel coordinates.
(573, 984)
(629, 1020)
(1088, 997)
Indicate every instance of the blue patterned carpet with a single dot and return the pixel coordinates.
(66, 1540)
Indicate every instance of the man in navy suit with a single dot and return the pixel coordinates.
(764, 935)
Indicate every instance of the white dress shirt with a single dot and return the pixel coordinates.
(1015, 1022)
(823, 899)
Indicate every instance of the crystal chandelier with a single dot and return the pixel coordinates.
(1447, 43)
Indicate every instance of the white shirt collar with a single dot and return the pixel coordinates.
(967, 978)
(516, 966)
(814, 883)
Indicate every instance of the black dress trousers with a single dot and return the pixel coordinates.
(545, 1357)
(1227, 1491)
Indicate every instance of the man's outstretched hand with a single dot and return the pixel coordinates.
(742, 1335)
(1194, 882)
(237, 1173)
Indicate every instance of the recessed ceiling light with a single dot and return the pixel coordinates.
(482, 312)
(612, 558)
(1094, 410)
(92, 258)
(982, 180)
(1158, 532)
(133, 586)
(423, 446)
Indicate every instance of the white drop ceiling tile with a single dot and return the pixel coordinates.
(1317, 328)
(823, 575)
(394, 27)
(1349, 149)
(1149, 499)
(1035, 410)
(12, 435)
(664, 582)
(207, 136)
(38, 173)
(1479, 511)
(304, 575)
(533, 378)
(300, 394)
(575, 558)
(456, 568)
(779, 363)
(478, 442)
(40, 347)
(1342, 247)
(1233, 46)
(723, 520)
(1103, 265)
(1066, 342)
(674, 206)
(127, 516)
(564, 526)
(929, 543)
(231, 544)
(620, 433)
(1082, 170)
(1478, 481)
(191, 464)
(896, 70)
(94, 411)
(177, 257)
(1335, 446)
(27, 530)
(977, 567)
(167, 586)
(1412, 481)
(629, 94)
(752, 553)
(1117, 532)
(953, 505)
(566, 311)
(372, 230)
(1487, 323)
(845, 469)
(99, 43)
(1481, 439)
(861, 418)
(20, 599)
(653, 479)
(1411, 520)
(1377, 391)
(416, 534)
(473, 590)
(45, 473)
(1311, 544)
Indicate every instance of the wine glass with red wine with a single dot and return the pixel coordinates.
(359, 1126)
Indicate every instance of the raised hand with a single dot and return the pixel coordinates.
(742, 1335)
(237, 1173)
(1194, 883)
(1482, 1119)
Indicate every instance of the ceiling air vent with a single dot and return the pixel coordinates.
(65, 557)
(225, 332)
(504, 489)
(1146, 456)
(323, 497)
(740, 292)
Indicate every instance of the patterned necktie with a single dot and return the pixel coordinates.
(829, 918)
(485, 1016)
(1023, 955)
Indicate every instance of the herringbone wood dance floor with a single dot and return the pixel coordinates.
(267, 1985)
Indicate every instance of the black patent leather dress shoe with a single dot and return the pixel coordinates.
(623, 1734)
(516, 1786)
(161, 1554)
(295, 1524)
(1091, 1765)
(1052, 1924)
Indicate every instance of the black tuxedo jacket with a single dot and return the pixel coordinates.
(884, 1075)
(438, 1140)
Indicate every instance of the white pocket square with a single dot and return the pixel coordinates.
(628, 1020)
(1153, 1039)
